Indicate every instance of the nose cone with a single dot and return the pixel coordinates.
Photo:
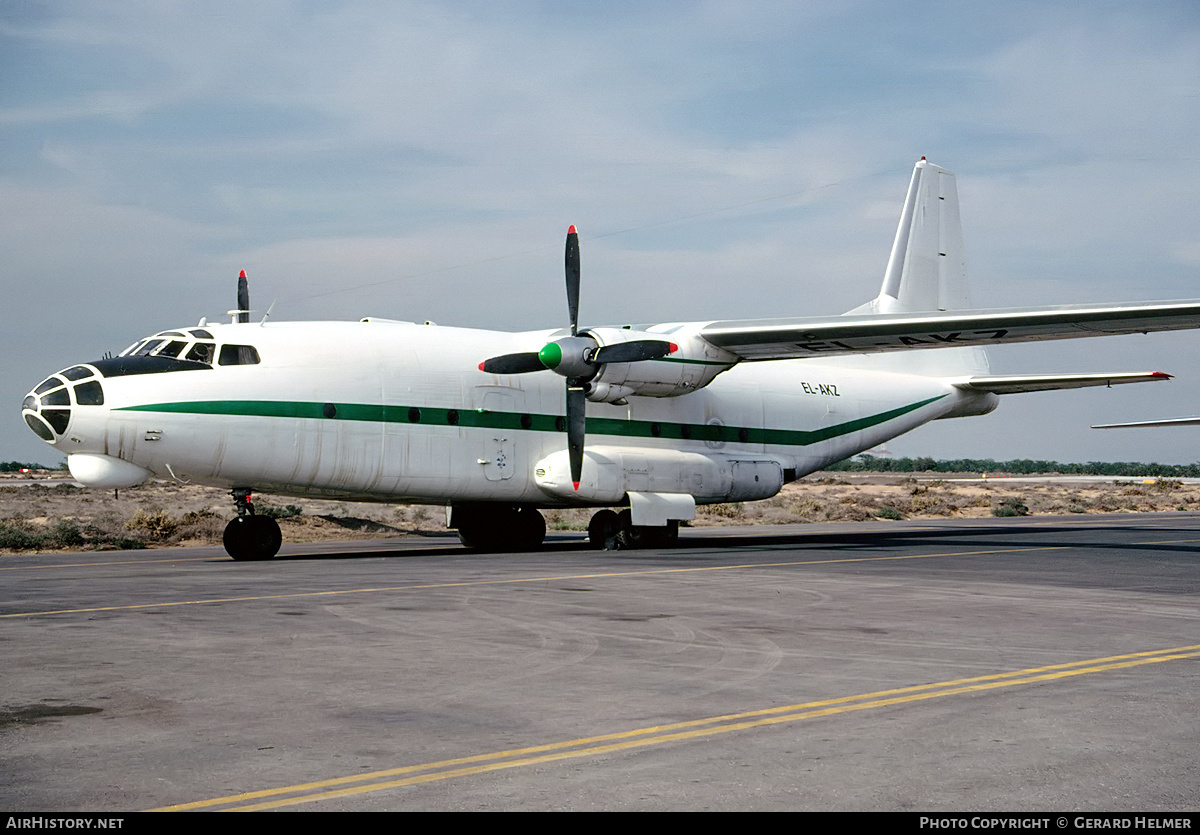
(47, 409)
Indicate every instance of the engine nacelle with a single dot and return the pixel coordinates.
(692, 367)
(609, 473)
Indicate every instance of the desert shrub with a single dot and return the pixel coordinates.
(17, 537)
(203, 524)
(1011, 506)
(889, 512)
(66, 533)
(158, 526)
(276, 512)
(806, 508)
(731, 510)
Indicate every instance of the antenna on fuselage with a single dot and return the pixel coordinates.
(242, 314)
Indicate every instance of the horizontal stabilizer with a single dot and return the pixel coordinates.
(1053, 382)
(1187, 421)
(773, 339)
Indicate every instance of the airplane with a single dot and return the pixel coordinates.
(643, 421)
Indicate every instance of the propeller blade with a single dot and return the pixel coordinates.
(243, 298)
(576, 419)
(513, 364)
(572, 265)
(635, 351)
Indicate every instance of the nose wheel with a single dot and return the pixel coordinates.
(250, 537)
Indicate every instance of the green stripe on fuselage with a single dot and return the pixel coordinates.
(515, 421)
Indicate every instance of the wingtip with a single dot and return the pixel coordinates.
(1160, 374)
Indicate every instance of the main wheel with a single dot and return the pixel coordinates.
(252, 538)
(500, 528)
(603, 528)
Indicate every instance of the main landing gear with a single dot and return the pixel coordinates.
(487, 527)
(250, 537)
(612, 531)
(492, 528)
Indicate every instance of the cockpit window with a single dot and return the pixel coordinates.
(200, 333)
(238, 355)
(172, 348)
(147, 347)
(88, 394)
(58, 397)
(201, 352)
(77, 372)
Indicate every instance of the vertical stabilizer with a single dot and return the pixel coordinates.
(927, 269)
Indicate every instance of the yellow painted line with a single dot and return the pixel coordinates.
(553, 578)
(675, 732)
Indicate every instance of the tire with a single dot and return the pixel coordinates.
(489, 528)
(250, 538)
(602, 529)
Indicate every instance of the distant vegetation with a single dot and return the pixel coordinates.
(1020, 466)
(17, 466)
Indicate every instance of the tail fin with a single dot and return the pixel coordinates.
(927, 269)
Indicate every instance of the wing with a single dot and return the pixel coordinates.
(1187, 421)
(773, 339)
(1053, 382)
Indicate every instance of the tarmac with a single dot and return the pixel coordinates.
(1029, 664)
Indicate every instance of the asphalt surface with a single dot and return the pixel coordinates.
(1043, 664)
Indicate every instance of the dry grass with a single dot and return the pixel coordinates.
(59, 516)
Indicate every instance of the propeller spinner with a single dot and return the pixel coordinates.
(578, 358)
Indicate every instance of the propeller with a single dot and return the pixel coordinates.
(578, 358)
(243, 298)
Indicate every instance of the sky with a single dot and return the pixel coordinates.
(722, 160)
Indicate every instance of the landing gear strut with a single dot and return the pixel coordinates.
(612, 531)
(486, 527)
(250, 537)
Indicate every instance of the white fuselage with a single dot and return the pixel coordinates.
(387, 411)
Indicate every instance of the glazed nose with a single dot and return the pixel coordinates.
(47, 409)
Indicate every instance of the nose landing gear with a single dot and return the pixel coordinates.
(250, 537)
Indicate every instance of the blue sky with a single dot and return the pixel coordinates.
(722, 160)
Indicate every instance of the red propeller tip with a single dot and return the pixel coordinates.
(576, 483)
(242, 274)
(674, 348)
(481, 365)
(572, 230)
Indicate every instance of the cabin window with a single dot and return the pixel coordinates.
(238, 355)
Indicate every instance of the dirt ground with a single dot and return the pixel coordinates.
(53, 514)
